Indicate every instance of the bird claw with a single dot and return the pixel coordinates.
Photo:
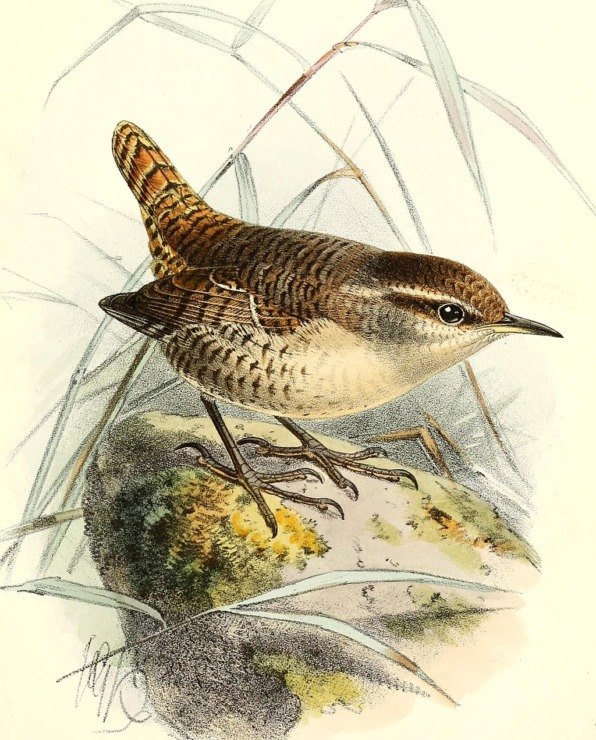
(325, 503)
(263, 447)
(204, 454)
(309, 473)
(410, 477)
(348, 485)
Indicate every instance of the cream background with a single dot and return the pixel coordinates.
(538, 54)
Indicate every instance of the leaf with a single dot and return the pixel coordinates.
(37, 525)
(346, 577)
(247, 191)
(515, 117)
(451, 92)
(503, 108)
(75, 383)
(95, 247)
(152, 13)
(83, 462)
(74, 591)
(343, 629)
(412, 210)
(288, 211)
(21, 295)
(253, 21)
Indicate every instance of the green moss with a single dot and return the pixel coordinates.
(435, 617)
(463, 525)
(184, 540)
(384, 530)
(317, 690)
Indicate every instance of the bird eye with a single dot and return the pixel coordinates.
(451, 313)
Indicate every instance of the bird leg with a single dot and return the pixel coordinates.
(330, 460)
(252, 481)
(424, 436)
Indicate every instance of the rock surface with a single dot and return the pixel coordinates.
(183, 540)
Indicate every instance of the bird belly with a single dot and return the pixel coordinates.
(320, 371)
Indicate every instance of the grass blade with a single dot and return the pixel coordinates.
(84, 460)
(515, 117)
(343, 629)
(75, 383)
(96, 248)
(288, 211)
(347, 577)
(247, 190)
(501, 107)
(413, 211)
(253, 22)
(151, 13)
(449, 85)
(190, 33)
(74, 591)
(157, 391)
(37, 525)
(22, 295)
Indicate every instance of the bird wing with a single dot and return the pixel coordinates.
(212, 296)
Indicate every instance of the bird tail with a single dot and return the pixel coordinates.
(179, 223)
(146, 169)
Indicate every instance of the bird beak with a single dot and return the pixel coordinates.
(511, 324)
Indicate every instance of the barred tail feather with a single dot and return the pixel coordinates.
(146, 169)
(177, 220)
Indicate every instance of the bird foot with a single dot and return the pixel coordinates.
(330, 460)
(258, 483)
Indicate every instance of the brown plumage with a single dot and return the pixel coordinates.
(293, 323)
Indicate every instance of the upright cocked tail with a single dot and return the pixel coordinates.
(177, 219)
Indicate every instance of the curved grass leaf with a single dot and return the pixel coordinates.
(343, 629)
(347, 577)
(37, 525)
(96, 248)
(47, 295)
(247, 190)
(338, 150)
(82, 464)
(412, 210)
(22, 295)
(314, 583)
(501, 107)
(74, 386)
(153, 13)
(451, 92)
(515, 117)
(74, 591)
(254, 21)
(290, 209)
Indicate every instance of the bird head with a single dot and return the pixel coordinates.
(437, 312)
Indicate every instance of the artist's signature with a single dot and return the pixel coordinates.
(119, 690)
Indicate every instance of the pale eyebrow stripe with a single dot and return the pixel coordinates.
(433, 296)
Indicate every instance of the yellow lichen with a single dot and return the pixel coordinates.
(317, 690)
(384, 530)
(462, 525)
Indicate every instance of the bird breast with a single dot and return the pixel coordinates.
(321, 370)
